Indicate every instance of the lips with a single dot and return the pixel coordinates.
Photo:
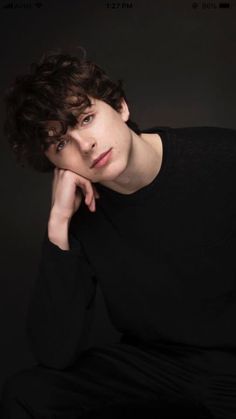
(100, 157)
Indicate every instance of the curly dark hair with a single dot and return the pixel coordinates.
(56, 89)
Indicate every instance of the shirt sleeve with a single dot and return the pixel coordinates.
(61, 306)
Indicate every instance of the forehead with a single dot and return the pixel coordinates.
(55, 128)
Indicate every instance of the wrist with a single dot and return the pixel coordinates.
(56, 217)
(58, 231)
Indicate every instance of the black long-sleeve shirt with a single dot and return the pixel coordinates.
(164, 256)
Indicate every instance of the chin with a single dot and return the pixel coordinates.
(113, 172)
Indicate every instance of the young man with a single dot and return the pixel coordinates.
(153, 221)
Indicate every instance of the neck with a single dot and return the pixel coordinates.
(143, 164)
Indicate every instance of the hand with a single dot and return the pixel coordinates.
(67, 189)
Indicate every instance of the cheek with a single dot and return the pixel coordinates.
(124, 137)
(52, 159)
(74, 162)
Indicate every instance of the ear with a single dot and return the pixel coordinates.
(124, 110)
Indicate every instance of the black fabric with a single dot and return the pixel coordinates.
(164, 257)
(114, 378)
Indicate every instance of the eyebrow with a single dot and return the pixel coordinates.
(85, 112)
(88, 109)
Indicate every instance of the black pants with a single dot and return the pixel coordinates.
(124, 373)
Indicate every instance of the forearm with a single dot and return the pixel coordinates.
(60, 308)
(58, 230)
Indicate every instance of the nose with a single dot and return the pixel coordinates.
(85, 143)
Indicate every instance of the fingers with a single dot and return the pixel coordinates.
(96, 192)
(89, 191)
(84, 185)
(90, 196)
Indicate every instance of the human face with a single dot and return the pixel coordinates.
(99, 129)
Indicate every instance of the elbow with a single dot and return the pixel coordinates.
(58, 353)
(55, 357)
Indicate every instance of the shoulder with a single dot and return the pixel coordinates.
(216, 140)
(205, 132)
(206, 151)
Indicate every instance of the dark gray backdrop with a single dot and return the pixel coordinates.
(178, 61)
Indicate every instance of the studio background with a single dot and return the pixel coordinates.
(178, 63)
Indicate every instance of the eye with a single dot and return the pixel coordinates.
(86, 119)
(58, 149)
